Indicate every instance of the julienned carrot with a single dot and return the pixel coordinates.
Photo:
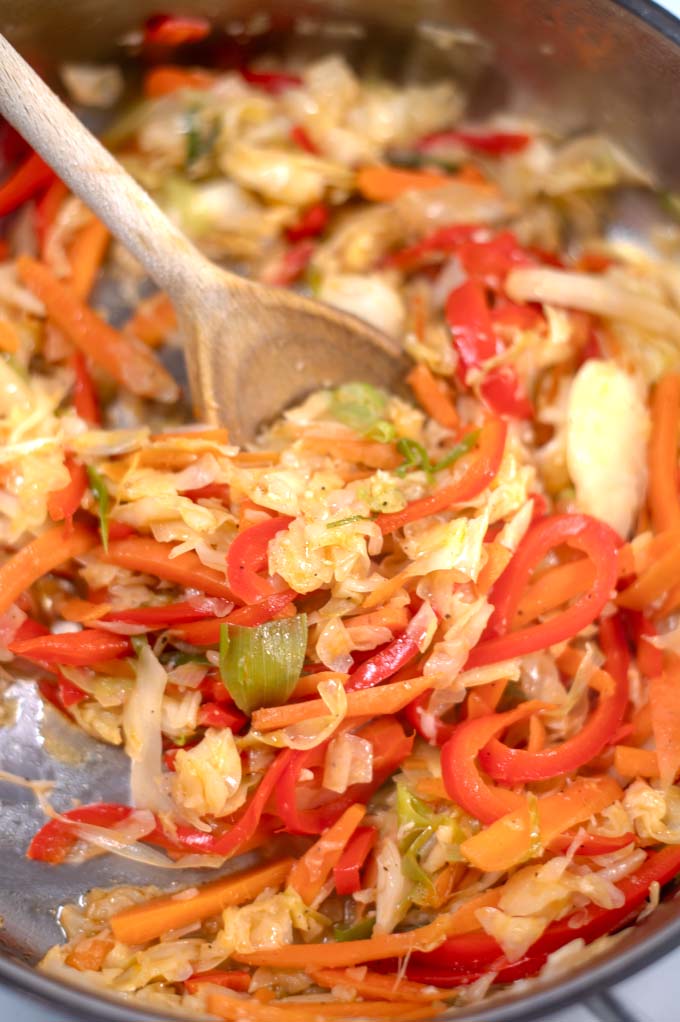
(42, 555)
(383, 184)
(217, 435)
(153, 320)
(383, 945)
(498, 558)
(9, 337)
(509, 840)
(86, 255)
(308, 684)
(374, 985)
(149, 920)
(385, 590)
(310, 873)
(89, 954)
(359, 452)
(141, 553)
(632, 762)
(664, 703)
(658, 579)
(556, 586)
(82, 611)
(433, 395)
(389, 698)
(249, 1010)
(662, 490)
(394, 617)
(168, 78)
(130, 363)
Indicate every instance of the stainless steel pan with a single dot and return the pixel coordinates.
(574, 64)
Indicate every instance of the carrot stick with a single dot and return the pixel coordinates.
(383, 945)
(383, 183)
(168, 78)
(141, 553)
(153, 320)
(537, 734)
(556, 586)
(433, 395)
(498, 558)
(82, 611)
(664, 504)
(661, 576)
(9, 338)
(86, 256)
(664, 702)
(508, 841)
(632, 762)
(149, 920)
(310, 873)
(386, 590)
(42, 555)
(393, 617)
(249, 1010)
(89, 954)
(368, 702)
(132, 365)
(363, 452)
(374, 985)
(308, 684)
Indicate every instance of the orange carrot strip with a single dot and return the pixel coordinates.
(384, 945)
(658, 579)
(168, 78)
(310, 873)
(509, 840)
(386, 590)
(89, 954)
(393, 617)
(556, 586)
(364, 452)
(9, 337)
(383, 184)
(153, 320)
(86, 255)
(664, 702)
(149, 920)
(218, 435)
(141, 553)
(642, 725)
(374, 985)
(498, 558)
(308, 684)
(662, 491)
(42, 555)
(251, 1010)
(389, 698)
(434, 395)
(632, 762)
(82, 611)
(537, 734)
(131, 364)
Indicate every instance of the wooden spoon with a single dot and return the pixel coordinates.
(251, 350)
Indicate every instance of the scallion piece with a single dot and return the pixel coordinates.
(261, 666)
(101, 495)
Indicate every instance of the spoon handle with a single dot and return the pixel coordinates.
(97, 178)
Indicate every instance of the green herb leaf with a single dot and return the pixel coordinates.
(101, 495)
(357, 931)
(358, 405)
(383, 431)
(348, 521)
(199, 141)
(261, 666)
(465, 445)
(415, 457)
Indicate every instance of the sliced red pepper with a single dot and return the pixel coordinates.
(30, 629)
(301, 137)
(219, 491)
(478, 953)
(312, 222)
(274, 82)
(69, 694)
(292, 263)
(649, 658)
(592, 844)
(385, 663)
(490, 260)
(504, 394)
(391, 746)
(56, 839)
(476, 471)
(469, 318)
(234, 980)
(493, 143)
(347, 873)
(13, 146)
(27, 181)
(429, 727)
(175, 29)
(248, 555)
(514, 766)
(443, 241)
(85, 398)
(215, 715)
(598, 541)
(170, 614)
(207, 633)
(77, 649)
(463, 782)
(62, 504)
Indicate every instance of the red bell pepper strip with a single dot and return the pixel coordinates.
(175, 29)
(62, 504)
(274, 82)
(463, 782)
(514, 766)
(56, 839)
(27, 181)
(13, 146)
(478, 953)
(592, 844)
(384, 664)
(598, 541)
(443, 241)
(218, 491)
(476, 471)
(207, 633)
(429, 727)
(469, 318)
(313, 222)
(391, 746)
(30, 629)
(649, 658)
(85, 397)
(69, 694)
(347, 873)
(504, 394)
(292, 263)
(170, 614)
(78, 649)
(494, 143)
(232, 980)
(247, 556)
(300, 136)
(214, 715)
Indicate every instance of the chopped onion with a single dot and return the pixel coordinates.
(261, 666)
(349, 760)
